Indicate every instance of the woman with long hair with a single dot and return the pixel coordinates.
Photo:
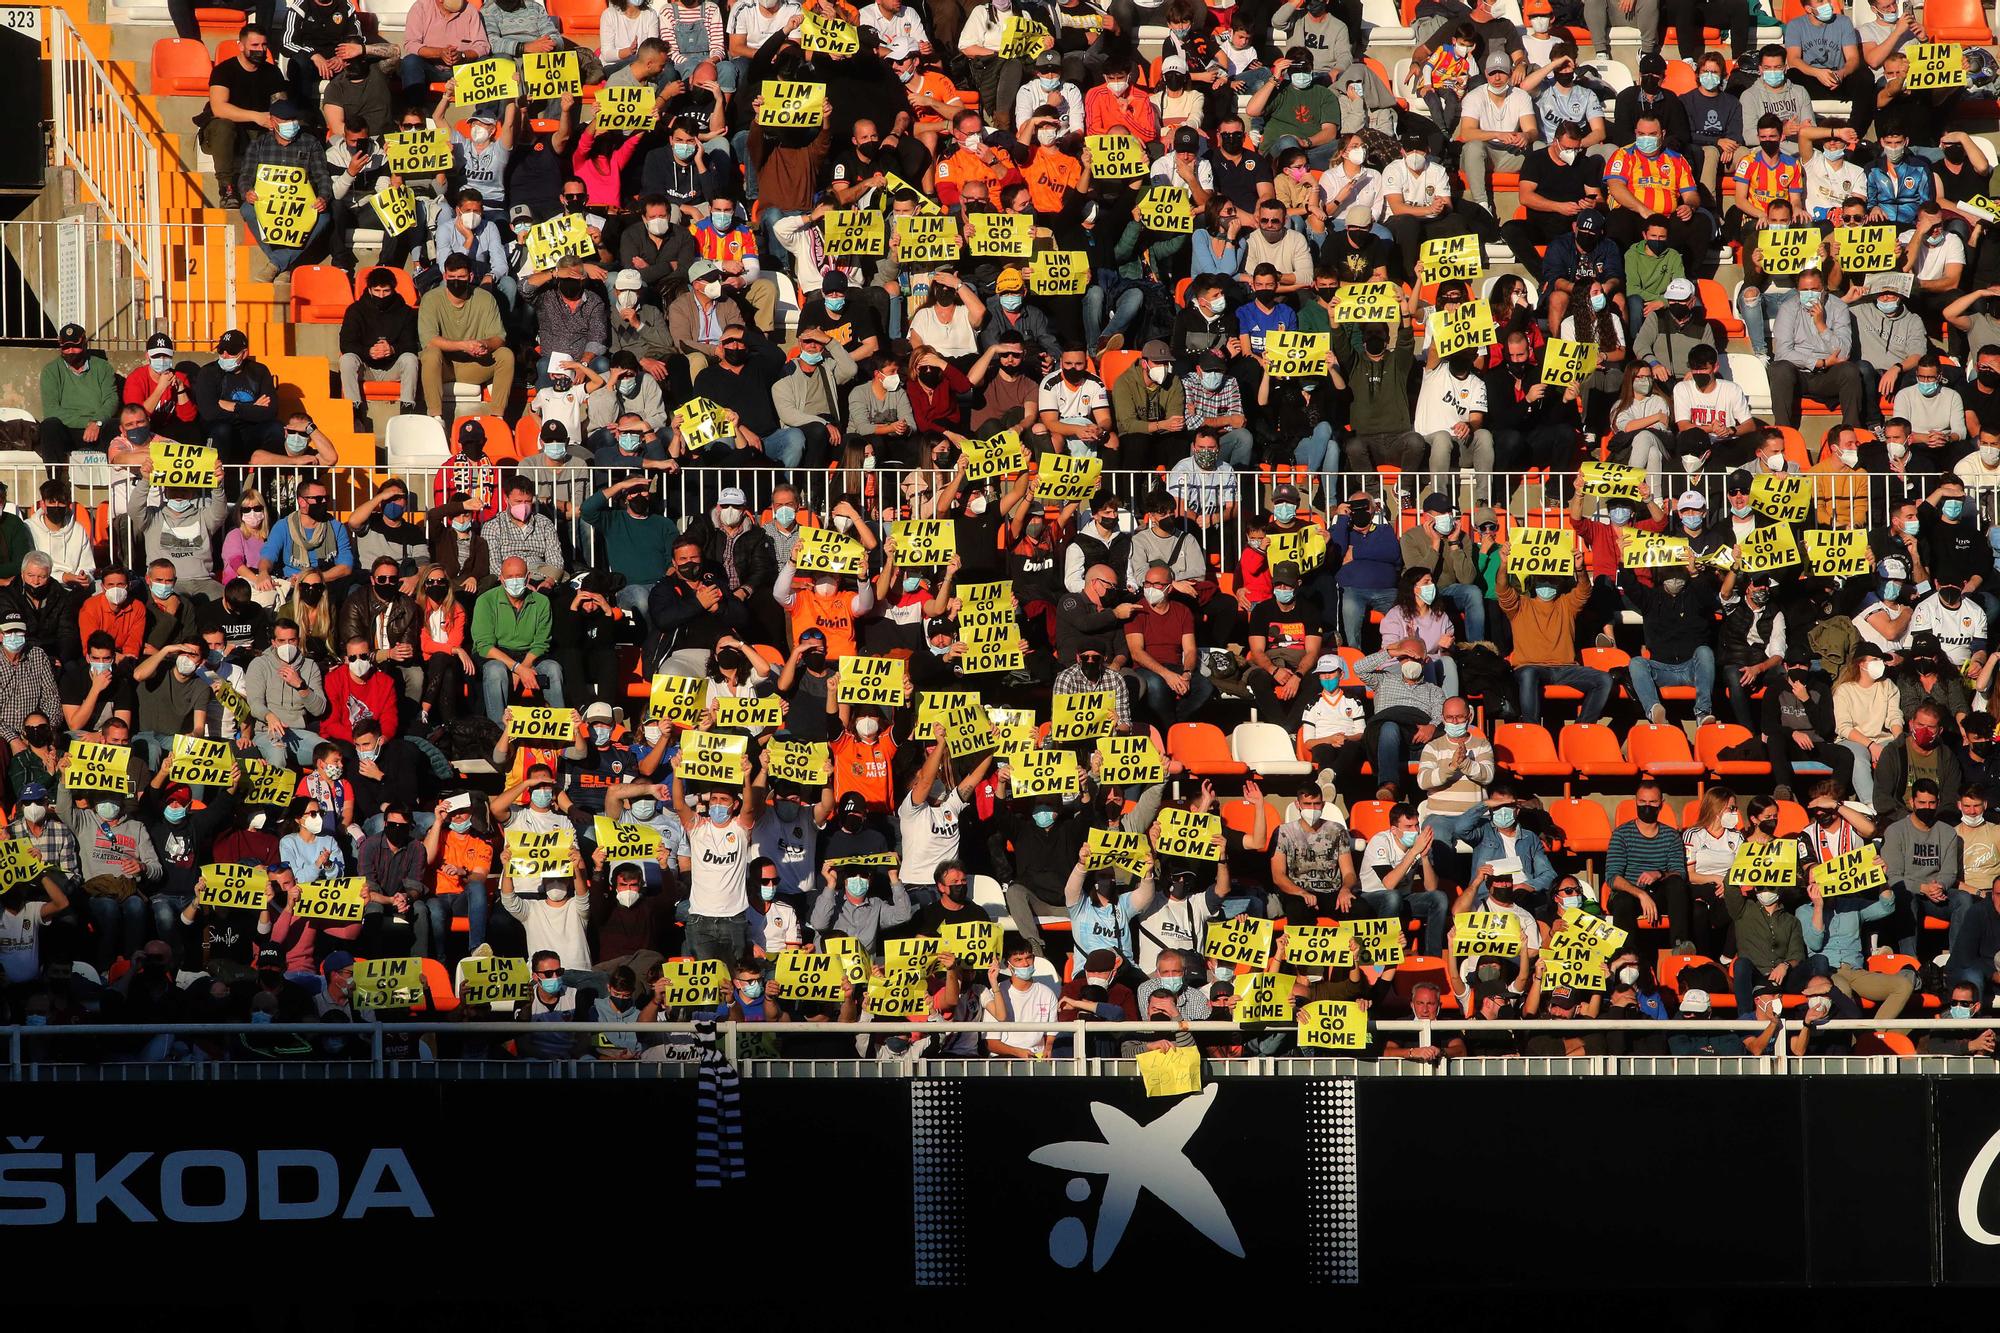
(1867, 714)
(448, 666)
(311, 606)
(1415, 615)
(1595, 318)
(244, 546)
(1512, 313)
(1217, 244)
(1642, 422)
(1710, 841)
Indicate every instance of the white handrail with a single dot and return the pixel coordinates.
(97, 136)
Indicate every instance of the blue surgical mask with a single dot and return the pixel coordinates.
(107, 810)
(1284, 594)
(1929, 388)
(1952, 509)
(297, 442)
(1692, 522)
(367, 756)
(600, 735)
(718, 813)
(1211, 380)
(1546, 593)
(835, 304)
(1408, 838)
(911, 583)
(162, 591)
(176, 813)
(750, 990)
(1910, 527)
(1171, 985)
(685, 151)
(630, 441)
(1045, 819)
(554, 449)
(1302, 80)
(1284, 513)
(1022, 973)
(1823, 12)
(1960, 1011)
(13, 643)
(786, 515)
(542, 797)
(1010, 301)
(1457, 730)
(1709, 80)
(288, 130)
(1621, 515)
(1503, 818)
(644, 809)
(1773, 78)
(393, 510)
(1597, 301)
(552, 985)
(514, 587)
(1810, 300)
(1891, 590)
(227, 363)
(1049, 82)
(811, 358)
(1647, 144)
(857, 887)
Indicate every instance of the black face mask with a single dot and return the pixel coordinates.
(574, 203)
(736, 356)
(312, 593)
(1647, 813)
(398, 835)
(1768, 827)
(1923, 818)
(36, 735)
(1175, 81)
(1267, 299)
(1565, 77)
(1360, 515)
(1375, 345)
(570, 287)
(639, 506)
(437, 589)
(931, 376)
(314, 509)
(459, 287)
(813, 659)
(1954, 153)
(385, 587)
(1230, 141)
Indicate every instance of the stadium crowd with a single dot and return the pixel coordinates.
(1327, 551)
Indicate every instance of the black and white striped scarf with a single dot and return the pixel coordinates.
(718, 1135)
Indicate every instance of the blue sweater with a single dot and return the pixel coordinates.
(1378, 554)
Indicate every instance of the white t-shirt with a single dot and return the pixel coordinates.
(1417, 190)
(560, 927)
(1036, 1004)
(930, 835)
(1073, 406)
(755, 24)
(1444, 400)
(565, 406)
(1383, 853)
(1167, 170)
(1719, 411)
(1502, 115)
(21, 945)
(1974, 474)
(1829, 186)
(718, 855)
(948, 339)
(906, 26)
(1934, 259)
(1958, 632)
(1366, 184)
(1710, 855)
(774, 926)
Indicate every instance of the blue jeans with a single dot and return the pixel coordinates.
(785, 446)
(1170, 707)
(1649, 673)
(297, 747)
(1355, 604)
(598, 363)
(1312, 450)
(121, 926)
(632, 597)
(1528, 682)
(1448, 830)
(281, 258)
(1318, 156)
(1759, 315)
(495, 681)
(419, 73)
(1958, 908)
(1392, 754)
(1236, 445)
(1124, 309)
(472, 906)
(739, 143)
(1470, 603)
(775, 255)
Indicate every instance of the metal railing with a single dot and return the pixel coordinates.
(30, 1049)
(1530, 498)
(88, 271)
(96, 136)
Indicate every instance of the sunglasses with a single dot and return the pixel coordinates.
(253, 509)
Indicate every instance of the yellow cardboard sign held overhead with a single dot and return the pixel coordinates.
(807, 764)
(203, 762)
(1445, 258)
(1115, 157)
(1339, 1025)
(924, 543)
(233, 888)
(1767, 549)
(1934, 65)
(1311, 948)
(478, 82)
(789, 104)
(625, 107)
(548, 75)
(828, 35)
(1189, 835)
(1831, 554)
(1367, 303)
(1244, 942)
(1773, 865)
(1541, 551)
(1866, 248)
(1609, 481)
(1082, 717)
(1045, 773)
(1565, 362)
(1787, 499)
(1001, 455)
(420, 152)
(850, 232)
(1290, 355)
(926, 238)
(1001, 235)
(1064, 478)
(541, 726)
(828, 551)
(1858, 871)
(1059, 272)
(1462, 328)
(342, 900)
(182, 466)
(1167, 209)
(1129, 761)
(677, 699)
(882, 681)
(1114, 849)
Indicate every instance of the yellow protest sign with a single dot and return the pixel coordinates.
(853, 232)
(541, 726)
(1444, 258)
(1767, 549)
(1766, 865)
(560, 238)
(494, 981)
(624, 107)
(827, 35)
(1651, 550)
(538, 854)
(1082, 717)
(1188, 835)
(986, 658)
(713, 757)
(809, 978)
(95, 766)
(882, 681)
(232, 887)
(1264, 997)
(1858, 871)
(1378, 940)
(898, 188)
(388, 983)
(1609, 481)
(1831, 554)
(967, 732)
(548, 75)
(267, 784)
(986, 604)
(1045, 773)
(192, 466)
(701, 422)
(749, 712)
(1244, 942)
(787, 104)
(973, 944)
(1606, 938)
(1367, 303)
(1001, 455)
(1934, 65)
(1787, 499)
(19, 862)
(1491, 933)
(1113, 849)
(395, 208)
(1304, 547)
(1784, 250)
(1129, 761)
(1001, 235)
(1461, 328)
(924, 543)
(339, 900)
(1312, 948)
(692, 983)
(926, 238)
(1866, 249)
(480, 81)
(1565, 362)
(677, 699)
(423, 152)
(1533, 551)
(884, 860)
(1022, 38)
(284, 206)
(913, 953)
(1059, 273)
(1290, 355)
(828, 551)
(848, 954)
(202, 762)
(1340, 1025)
(231, 699)
(899, 993)
(1174, 1073)
(1167, 209)
(626, 842)
(943, 705)
(1063, 478)
(807, 764)
(1574, 971)
(1115, 157)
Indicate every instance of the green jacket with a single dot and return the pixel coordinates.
(1135, 401)
(76, 399)
(642, 549)
(496, 624)
(1647, 274)
(1764, 938)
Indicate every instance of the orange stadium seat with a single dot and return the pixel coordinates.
(1203, 749)
(1586, 829)
(320, 294)
(1662, 751)
(406, 286)
(1710, 741)
(1962, 21)
(1592, 750)
(1525, 749)
(1368, 818)
(181, 67)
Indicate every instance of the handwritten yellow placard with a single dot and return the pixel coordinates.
(788, 104)
(234, 888)
(1186, 834)
(480, 81)
(1340, 1025)
(882, 681)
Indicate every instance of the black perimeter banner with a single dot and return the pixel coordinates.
(1336, 1182)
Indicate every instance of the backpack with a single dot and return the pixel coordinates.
(1834, 640)
(472, 737)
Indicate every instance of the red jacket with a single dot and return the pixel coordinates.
(348, 699)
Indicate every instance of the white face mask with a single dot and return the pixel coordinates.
(1729, 819)
(288, 653)
(1311, 815)
(826, 587)
(1357, 155)
(478, 134)
(309, 825)
(1775, 463)
(1849, 457)
(557, 895)
(658, 226)
(1046, 135)
(891, 382)
(976, 506)
(627, 897)
(1413, 670)
(1897, 449)
(868, 728)
(1156, 595)
(1872, 668)
(1157, 374)
(628, 300)
(1117, 87)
